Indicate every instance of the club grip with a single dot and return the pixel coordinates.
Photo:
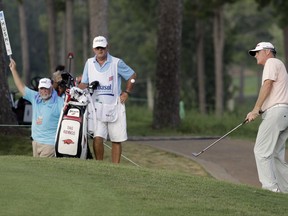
(246, 120)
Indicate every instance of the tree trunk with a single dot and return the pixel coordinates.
(98, 18)
(62, 45)
(167, 96)
(241, 84)
(69, 34)
(6, 114)
(150, 99)
(24, 43)
(200, 65)
(86, 43)
(51, 35)
(218, 37)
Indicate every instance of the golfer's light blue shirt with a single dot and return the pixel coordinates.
(124, 70)
(45, 116)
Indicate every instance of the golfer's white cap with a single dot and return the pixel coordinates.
(99, 41)
(44, 83)
(261, 46)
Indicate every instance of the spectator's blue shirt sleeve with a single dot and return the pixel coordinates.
(29, 94)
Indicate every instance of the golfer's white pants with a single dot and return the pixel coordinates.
(269, 149)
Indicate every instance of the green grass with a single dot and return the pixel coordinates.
(142, 155)
(165, 184)
(251, 85)
(43, 186)
(16, 145)
(194, 124)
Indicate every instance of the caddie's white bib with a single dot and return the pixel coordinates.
(107, 90)
(105, 97)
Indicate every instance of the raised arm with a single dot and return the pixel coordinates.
(17, 80)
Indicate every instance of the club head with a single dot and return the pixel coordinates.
(196, 154)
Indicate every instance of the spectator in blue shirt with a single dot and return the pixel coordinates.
(46, 109)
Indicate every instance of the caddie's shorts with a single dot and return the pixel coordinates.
(117, 130)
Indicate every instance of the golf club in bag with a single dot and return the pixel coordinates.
(70, 57)
(72, 131)
(199, 153)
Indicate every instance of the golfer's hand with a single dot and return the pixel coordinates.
(251, 116)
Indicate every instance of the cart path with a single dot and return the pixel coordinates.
(229, 160)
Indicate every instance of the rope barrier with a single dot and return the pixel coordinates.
(6, 125)
(121, 154)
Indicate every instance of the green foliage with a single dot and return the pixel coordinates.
(135, 40)
(37, 37)
(252, 85)
(133, 37)
(245, 28)
(194, 124)
(279, 9)
(76, 187)
(189, 82)
(210, 125)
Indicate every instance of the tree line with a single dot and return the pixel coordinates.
(182, 50)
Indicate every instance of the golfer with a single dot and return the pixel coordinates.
(108, 98)
(46, 109)
(272, 105)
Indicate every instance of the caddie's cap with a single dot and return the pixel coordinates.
(44, 83)
(99, 41)
(261, 46)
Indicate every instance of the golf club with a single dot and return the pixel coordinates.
(199, 153)
(70, 57)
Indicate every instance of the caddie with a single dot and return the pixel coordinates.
(109, 98)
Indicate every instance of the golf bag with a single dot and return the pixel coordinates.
(72, 132)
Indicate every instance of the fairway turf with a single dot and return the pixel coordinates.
(53, 186)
